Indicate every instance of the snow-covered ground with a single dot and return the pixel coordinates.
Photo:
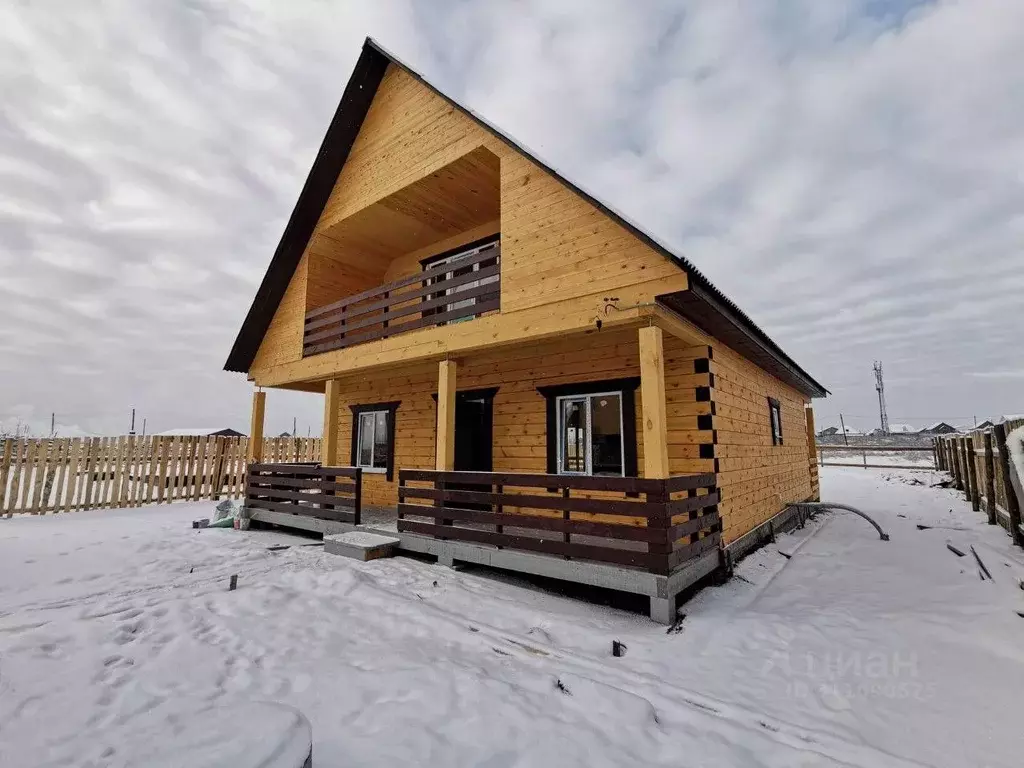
(117, 626)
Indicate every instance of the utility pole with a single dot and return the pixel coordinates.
(143, 427)
(132, 430)
(880, 387)
(53, 423)
(842, 425)
(295, 427)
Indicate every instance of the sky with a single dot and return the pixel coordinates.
(850, 173)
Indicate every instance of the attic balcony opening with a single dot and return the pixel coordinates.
(428, 254)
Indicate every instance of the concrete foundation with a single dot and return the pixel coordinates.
(302, 522)
(662, 590)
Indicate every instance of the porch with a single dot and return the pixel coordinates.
(654, 537)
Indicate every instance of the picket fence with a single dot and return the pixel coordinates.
(64, 475)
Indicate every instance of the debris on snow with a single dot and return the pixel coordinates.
(954, 550)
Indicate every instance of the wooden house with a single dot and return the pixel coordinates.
(512, 369)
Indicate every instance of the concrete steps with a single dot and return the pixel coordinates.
(360, 545)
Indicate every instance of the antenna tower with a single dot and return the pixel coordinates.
(880, 387)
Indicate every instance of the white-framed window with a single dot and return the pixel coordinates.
(372, 447)
(590, 434)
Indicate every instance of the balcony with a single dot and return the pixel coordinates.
(451, 289)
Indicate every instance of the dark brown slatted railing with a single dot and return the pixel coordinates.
(655, 530)
(416, 301)
(310, 490)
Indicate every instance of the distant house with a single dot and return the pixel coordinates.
(828, 432)
(902, 429)
(201, 432)
(940, 428)
(985, 424)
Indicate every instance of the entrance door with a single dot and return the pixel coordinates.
(473, 433)
(473, 439)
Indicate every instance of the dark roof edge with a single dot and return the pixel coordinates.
(789, 371)
(341, 134)
(269, 296)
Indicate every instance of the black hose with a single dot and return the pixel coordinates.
(833, 505)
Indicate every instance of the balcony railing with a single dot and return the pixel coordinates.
(457, 289)
(656, 525)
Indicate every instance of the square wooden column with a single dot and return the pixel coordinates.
(259, 404)
(329, 443)
(654, 410)
(445, 454)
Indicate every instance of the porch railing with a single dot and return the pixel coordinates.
(310, 490)
(445, 293)
(657, 525)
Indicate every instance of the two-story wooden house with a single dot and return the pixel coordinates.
(525, 377)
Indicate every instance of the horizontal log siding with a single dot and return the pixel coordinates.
(520, 443)
(756, 479)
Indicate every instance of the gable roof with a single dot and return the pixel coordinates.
(705, 306)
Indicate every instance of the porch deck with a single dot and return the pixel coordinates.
(644, 536)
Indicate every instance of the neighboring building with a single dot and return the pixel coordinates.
(939, 428)
(201, 432)
(902, 429)
(829, 432)
(985, 424)
(466, 309)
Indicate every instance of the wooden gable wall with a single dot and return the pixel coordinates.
(557, 248)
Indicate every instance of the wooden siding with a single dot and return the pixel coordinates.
(519, 420)
(757, 479)
(561, 256)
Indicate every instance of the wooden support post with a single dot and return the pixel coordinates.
(990, 479)
(329, 445)
(1012, 502)
(445, 451)
(972, 473)
(259, 405)
(652, 396)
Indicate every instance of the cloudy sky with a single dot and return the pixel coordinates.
(849, 172)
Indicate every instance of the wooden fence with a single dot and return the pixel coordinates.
(927, 458)
(64, 475)
(980, 466)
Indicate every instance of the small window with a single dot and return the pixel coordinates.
(590, 439)
(373, 437)
(775, 416)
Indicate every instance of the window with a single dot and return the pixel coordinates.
(373, 440)
(453, 259)
(590, 435)
(373, 437)
(775, 417)
(592, 428)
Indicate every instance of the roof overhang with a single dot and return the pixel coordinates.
(701, 308)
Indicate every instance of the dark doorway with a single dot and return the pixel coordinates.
(474, 433)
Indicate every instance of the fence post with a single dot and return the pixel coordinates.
(1012, 503)
(972, 473)
(954, 453)
(965, 468)
(5, 468)
(990, 478)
